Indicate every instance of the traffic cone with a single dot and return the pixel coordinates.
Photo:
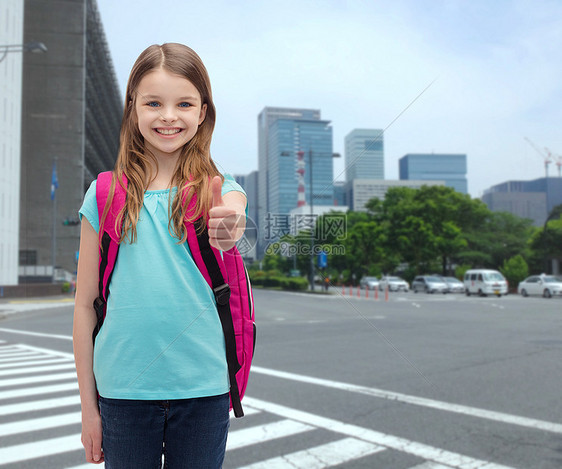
(366, 293)
(386, 293)
(343, 289)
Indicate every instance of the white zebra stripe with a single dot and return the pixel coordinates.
(319, 457)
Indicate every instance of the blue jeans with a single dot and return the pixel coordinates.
(190, 433)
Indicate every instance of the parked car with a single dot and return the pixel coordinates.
(393, 284)
(429, 284)
(370, 283)
(454, 285)
(485, 282)
(545, 285)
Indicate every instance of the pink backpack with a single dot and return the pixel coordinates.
(226, 275)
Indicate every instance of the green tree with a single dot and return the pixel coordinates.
(426, 225)
(546, 242)
(515, 269)
(500, 236)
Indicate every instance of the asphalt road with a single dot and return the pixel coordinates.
(419, 381)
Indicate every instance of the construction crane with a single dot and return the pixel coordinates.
(548, 158)
(557, 159)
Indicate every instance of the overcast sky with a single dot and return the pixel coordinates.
(498, 66)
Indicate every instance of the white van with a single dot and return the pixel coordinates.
(484, 282)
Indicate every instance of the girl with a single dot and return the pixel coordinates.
(158, 363)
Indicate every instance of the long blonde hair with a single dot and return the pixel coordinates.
(194, 168)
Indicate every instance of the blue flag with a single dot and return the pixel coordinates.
(54, 181)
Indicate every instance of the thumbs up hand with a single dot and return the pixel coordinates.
(227, 219)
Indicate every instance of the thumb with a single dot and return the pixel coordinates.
(216, 189)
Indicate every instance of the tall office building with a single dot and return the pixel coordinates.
(11, 33)
(71, 113)
(433, 166)
(282, 133)
(364, 154)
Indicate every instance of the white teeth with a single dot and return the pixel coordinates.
(168, 131)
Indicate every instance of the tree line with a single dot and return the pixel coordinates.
(422, 231)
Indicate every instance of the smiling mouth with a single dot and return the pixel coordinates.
(168, 131)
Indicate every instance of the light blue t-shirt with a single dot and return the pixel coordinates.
(162, 337)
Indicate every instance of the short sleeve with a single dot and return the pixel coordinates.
(89, 207)
(229, 185)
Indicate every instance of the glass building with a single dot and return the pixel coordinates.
(286, 138)
(450, 168)
(282, 133)
(364, 154)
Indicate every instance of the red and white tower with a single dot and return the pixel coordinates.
(300, 172)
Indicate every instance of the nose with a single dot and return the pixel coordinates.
(168, 114)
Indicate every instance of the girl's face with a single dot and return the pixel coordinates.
(169, 111)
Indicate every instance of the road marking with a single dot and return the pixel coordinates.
(36, 334)
(36, 379)
(31, 425)
(33, 356)
(426, 452)
(261, 433)
(37, 369)
(420, 401)
(38, 390)
(430, 465)
(247, 411)
(63, 302)
(42, 404)
(328, 455)
(15, 354)
(7, 348)
(25, 451)
(35, 361)
(47, 351)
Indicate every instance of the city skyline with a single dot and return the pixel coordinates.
(496, 67)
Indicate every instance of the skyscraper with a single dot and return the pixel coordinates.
(282, 133)
(364, 154)
(432, 166)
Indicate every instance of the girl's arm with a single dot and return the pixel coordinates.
(84, 322)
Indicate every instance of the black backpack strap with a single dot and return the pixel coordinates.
(222, 296)
(100, 303)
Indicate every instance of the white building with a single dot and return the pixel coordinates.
(360, 191)
(11, 33)
(301, 219)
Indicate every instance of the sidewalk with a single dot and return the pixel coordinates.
(9, 306)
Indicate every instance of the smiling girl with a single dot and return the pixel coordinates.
(155, 383)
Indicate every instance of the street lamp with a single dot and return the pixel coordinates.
(36, 47)
(310, 153)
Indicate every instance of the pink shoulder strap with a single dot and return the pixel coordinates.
(103, 186)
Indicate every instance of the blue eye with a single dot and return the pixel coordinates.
(184, 105)
(153, 104)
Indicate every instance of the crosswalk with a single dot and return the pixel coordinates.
(40, 426)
